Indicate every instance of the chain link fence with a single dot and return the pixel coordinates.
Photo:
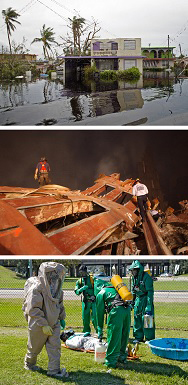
(170, 300)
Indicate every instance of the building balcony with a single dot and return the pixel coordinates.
(105, 52)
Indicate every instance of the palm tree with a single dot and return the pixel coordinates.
(47, 38)
(10, 16)
(77, 24)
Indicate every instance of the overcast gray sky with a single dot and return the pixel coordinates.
(151, 21)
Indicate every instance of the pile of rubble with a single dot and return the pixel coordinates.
(174, 229)
(101, 220)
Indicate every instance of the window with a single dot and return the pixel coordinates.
(106, 64)
(129, 63)
(114, 46)
(96, 46)
(129, 44)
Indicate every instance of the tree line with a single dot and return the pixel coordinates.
(76, 42)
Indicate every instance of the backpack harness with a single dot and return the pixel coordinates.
(118, 301)
(43, 167)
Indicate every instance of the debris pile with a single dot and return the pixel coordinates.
(101, 220)
(174, 229)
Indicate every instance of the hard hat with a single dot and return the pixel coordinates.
(137, 179)
(43, 158)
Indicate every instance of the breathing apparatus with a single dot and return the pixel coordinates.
(121, 288)
(102, 280)
(147, 271)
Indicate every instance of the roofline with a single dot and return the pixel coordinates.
(101, 57)
(156, 47)
(159, 58)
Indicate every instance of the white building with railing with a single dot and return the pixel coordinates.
(117, 54)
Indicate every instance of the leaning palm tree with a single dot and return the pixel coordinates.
(47, 38)
(10, 16)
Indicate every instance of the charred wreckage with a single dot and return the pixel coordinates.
(101, 220)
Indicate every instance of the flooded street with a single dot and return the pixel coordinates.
(154, 100)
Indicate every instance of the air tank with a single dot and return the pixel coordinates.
(121, 288)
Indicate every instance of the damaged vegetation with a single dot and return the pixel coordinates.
(101, 220)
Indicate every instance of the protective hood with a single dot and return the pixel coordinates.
(140, 267)
(52, 275)
(101, 281)
(136, 265)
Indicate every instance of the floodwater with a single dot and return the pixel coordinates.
(157, 99)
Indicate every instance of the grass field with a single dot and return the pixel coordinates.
(171, 321)
(8, 279)
(148, 370)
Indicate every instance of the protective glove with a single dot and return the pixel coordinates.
(62, 323)
(47, 330)
(100, 333)
(35, 176)
(148, 309)
(83, 288)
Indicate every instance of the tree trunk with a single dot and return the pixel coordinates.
(9, 41)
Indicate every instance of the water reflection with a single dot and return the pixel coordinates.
(76, 108)
(50, 102)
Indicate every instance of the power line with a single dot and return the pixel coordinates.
(62, 6)
(39, 1)
(27, 6)
(88, 22)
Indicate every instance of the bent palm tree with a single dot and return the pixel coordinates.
(47, 38)
(10, 16)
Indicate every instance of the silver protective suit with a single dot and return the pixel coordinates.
(43, 306)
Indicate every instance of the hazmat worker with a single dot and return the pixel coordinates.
(84, 286)
(42, 172)
(141, 193)
(118, 321)
(44, 311)
(143, 293)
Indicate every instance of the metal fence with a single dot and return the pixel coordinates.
(170, 300)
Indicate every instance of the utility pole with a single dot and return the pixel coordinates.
(168, 53)
(180, 49)
(30, 266)
(120, 267)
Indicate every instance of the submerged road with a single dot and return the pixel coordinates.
(159, 296)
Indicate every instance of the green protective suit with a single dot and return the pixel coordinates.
(88, 303)
(143, 292)
(118, 324)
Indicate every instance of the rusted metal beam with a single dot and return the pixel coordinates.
(11, 192)
(154, 241)
(19, 237)
(42, 209)
(82, 237)
(114, 195)
(96, 190)
(113, 181)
